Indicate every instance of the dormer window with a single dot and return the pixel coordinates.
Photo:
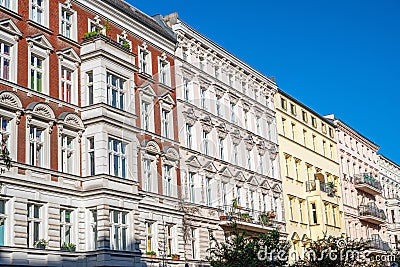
(124, 41)
(95, 26)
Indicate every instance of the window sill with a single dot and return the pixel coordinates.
(39, 26)
(10, 12)
(68, 40)
(146, 76)
(165, 86)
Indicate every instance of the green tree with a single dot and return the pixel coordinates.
(241, 249)
(338, 252)
(4, 154)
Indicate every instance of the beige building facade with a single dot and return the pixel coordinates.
(310, 172)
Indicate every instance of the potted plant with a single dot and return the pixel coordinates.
(175, 257)
(41, 244)
(126, 45)
(89, 34)
(68, 247)
(271, 214)
(151, 254)
(223, 217)
(264, 219)
(234, 203)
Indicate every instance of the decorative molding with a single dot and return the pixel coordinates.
(151, 147)
(206, 123)
(190, 116)
(221, 130)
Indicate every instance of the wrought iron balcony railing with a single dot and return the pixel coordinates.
(369, 180)
(240, 214)
(371, 212)
(313, 186)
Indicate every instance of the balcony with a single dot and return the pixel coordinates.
(367, 183)
(393, 197)
(372, 214)
(377, 245)
(247, 219)
(317, 185)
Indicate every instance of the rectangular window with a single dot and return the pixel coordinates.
(3, 218)
(287, 165)
(293, 131)
(314, 142)
(201, 63)
(205, 143)
(334, 215)
(66, 85)
(119, 230)
(34, 224)
(265, 202)
(314, 213)
(326, 213)
(146, 116)
(165, 120)
(191, 187)
(208, 191)
(89, 83)
(5, 131)
(261, 164)
(233, 114)
(67, 154)
(238, 195)
(194, 243)
(331, 151)
(246, 118)
(66, 23)
(150, 242)
(230, 80)
(221, 148)
(324, 147)
(117, 158)
(248, 159)
(314, 122)
(323, 126)
(305, 116)
(36, 142)
(331, 132)
(301, 210)
(216, 72)
(65, 227)
(258, 125)
(91, 156)
(283, 103)
(147, 175)
(184, 54)
(5, 3)
(186, 90)
(235, 154)
(203, 98)
(144, 57)
(291, 208)
(167, 174)
(218, 106)
(244, 87)
(115, 91)
(37, 73)
(305, 138)
(188, 136)
(93, 229)
(5, 59)
(224, 200)
(170, 239)
(37, 10)
(296, 167)
(284, 127)
(293, 109)
(164, 72)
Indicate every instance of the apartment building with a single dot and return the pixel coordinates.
(310, 172)
(87, 112)
(228, 142)
(389, 173)
(364, 213)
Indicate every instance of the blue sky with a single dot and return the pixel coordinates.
(338, 57)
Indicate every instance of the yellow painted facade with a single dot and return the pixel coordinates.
(310, 173)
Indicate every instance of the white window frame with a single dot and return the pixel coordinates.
(120, 153)
(235, 158)
(205, 141)
(145, 60)
(73, 35)
(33, 68)
(166, 122)
(194, 244)
(68, 154)
(171, 239)
(218, 106)
(203, 99)
(93, 229)
(91, 156)
(64, 225)
(33, 12)
(189, 136)
(167, 179)
(232, 107)
(208, 191)
(122, 38)
(35, 50)
(221, 147)
(32, 220)
(119, 234)
(65, 84)
(148, 175)
(36, 143)
(186, 89)
(4, 220)
(94, 25)
(150, 236)
(164, 71)
(191, 186)
(120, 101)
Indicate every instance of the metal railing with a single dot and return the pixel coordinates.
(242, 214)
(371, 209)
(376, 242)
(393, 196)
(368, 179)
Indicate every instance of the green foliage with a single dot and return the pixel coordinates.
(337, 252)
(151, 253)
(69, 246)
(4, 155)
(126, 45)
(89, 34)
(41, 242)
(241, 249)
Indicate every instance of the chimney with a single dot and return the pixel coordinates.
(171, 19)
